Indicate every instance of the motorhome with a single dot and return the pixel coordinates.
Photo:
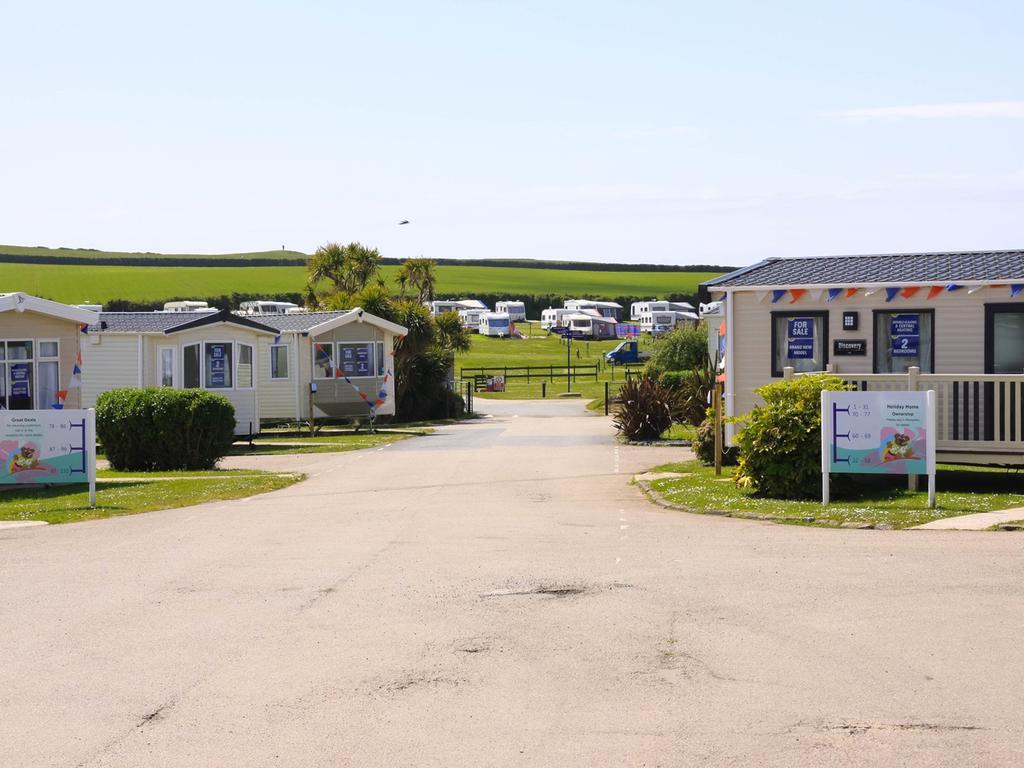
(266, 307)
(470, 318)
(639, 308)
(604, 308)
(591, 325)
(554, 317)
(495, 324)
(663, 321)
(187, 306)
(516, 310)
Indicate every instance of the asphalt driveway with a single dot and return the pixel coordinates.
(497, 594)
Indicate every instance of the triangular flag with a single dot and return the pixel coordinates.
(78, 357)
(277, 339)
(871, 292)
(953, 287)
(62, 394)
(721, 329)
(76, 370)
(833, 293)
(797, 294)
(777, 295)
(75, 383)
(761, 296)
(890, 294)
(85, 328)
(909, 291)
(1015, 289)
(934, 291)
(816, 294)
(851, 292)
(973, 290)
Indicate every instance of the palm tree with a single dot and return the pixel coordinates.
(349, 267)
(420, 274)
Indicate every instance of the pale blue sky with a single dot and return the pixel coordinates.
(667, 132)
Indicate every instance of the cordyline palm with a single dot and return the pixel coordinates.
(349, 267)
(420, 274)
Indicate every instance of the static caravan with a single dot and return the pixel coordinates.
(470, 318)
(554, 317)
(325, 360)
(639, 308)
(657, 322)
(207, 349)
(592, 325)
(495, 324)
(472, 304)
(604, 308)
(40, 341)
(948, 322)
(516, 310)
(187, 306)
(440, 307)
(266, 307)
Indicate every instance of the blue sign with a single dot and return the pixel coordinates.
(905, 335)
(19, 381)
(800, 338)
(218, 365)
(356, 359)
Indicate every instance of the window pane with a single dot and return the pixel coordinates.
(19, 350)
(903, 339)
(167, 368)
(49, 376)
(3, 383)
(244, 366)
(356, 360)
(380, 358)
(21, 386)
(1008, 342)
(799, 343)
(48, 349)
(218, 366)
(191, 367)
(323, 361)
(279, 362)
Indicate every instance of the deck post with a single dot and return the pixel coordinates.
(718, 429)
(912, 373)
(787, 372)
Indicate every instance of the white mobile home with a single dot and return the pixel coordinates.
(470, 318)
(440, 307)
(639, 308)
(657, 322)
(495, 324)
(950, 322)
(554, 317)
(604, 308)
(267, 307)
(516, 310)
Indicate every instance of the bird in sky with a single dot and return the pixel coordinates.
(403, 221)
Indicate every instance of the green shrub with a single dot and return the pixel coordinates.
(703, 444)
(645, 409)
(780, 444)
(684, 348)
(164, 429)
(693, 393)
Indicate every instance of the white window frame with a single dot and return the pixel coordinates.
(317, 375)
(237, 352)
(184, 351)
(174, 366)
(37, 350)
(287, 362)
(202, 364)
(8, 361)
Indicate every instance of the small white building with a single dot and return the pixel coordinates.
(516, 310)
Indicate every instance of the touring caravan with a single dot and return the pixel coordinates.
(266, 307)
(516, 310)
(554, 317)
(640, 308)
(495, 324)
(440, 307)
(604, 308)
(659, 322)
(592, 325)
(470, 318)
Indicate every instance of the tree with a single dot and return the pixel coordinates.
(420, 275)
(349, 268)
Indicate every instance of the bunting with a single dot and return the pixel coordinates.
(953, 287)
(797, 294)
(777, 296)
(84, 327)
(890, 294)
(1015, 289)
(851, 292)
(909, 291)
(934, 291)
(833, 293)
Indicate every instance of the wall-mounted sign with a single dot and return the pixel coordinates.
(356, 359)
(850, 347)
(851, 321)
(45, 447)
(800, 338)
(20, 381)
(878, 433)
(905, 335)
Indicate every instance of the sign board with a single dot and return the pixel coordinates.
(356, 359)
(48, 447)
(849, 347)
(218, 365)
(905, 335)
(496, 383)
(878, 433)
(800, 338)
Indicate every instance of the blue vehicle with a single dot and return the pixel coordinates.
(625, 353)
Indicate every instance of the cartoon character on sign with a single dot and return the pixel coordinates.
(24, 462)
(899, 449)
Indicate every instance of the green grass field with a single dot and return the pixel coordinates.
(93, 253)
(81, 283)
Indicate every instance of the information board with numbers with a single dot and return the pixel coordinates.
(878, 433)
(45, 447)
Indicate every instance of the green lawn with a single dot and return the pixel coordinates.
(69, 504)
(879, 501)
(332, 442)
(82, 283)
(93, 253)
(489, 352)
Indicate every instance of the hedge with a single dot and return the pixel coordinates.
(162, 429)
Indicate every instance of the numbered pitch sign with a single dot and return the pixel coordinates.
(45, 447)
(878, 433)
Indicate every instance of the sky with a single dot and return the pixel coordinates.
(655, 132)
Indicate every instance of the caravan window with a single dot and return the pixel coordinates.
(217, 359)
(356, 360)
(279, 361)
(903, 339)
(244, 366)
(165, 371)
(323, 361)
(380, 358)
(799, 341)
(48, 369)
(191, 367)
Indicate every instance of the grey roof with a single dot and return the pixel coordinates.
(167, 322)
(839, 271)
(300, 321)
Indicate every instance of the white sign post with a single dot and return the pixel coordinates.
(48, 447)
(878, 433)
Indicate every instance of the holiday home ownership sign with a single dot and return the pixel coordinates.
(48, 446)
(878, 433)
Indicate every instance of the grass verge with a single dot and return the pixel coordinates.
(878, 502)
(332, 442)
(117, 494)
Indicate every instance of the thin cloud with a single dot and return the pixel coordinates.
(1005, 109)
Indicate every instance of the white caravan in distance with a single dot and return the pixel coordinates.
(495, 324)
(516, 310)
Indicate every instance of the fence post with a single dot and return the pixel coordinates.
(787, 372)
(719, 447)
(543, 389)
(606, 396)
(912, 373)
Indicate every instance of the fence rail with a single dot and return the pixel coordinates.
(974, 412)
(531, 372)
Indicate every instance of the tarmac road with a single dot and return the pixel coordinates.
(497, 594)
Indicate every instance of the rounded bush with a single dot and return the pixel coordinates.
(164, 429)
(703, 445)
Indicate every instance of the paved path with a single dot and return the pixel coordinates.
(977, 522)
(496, 594)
